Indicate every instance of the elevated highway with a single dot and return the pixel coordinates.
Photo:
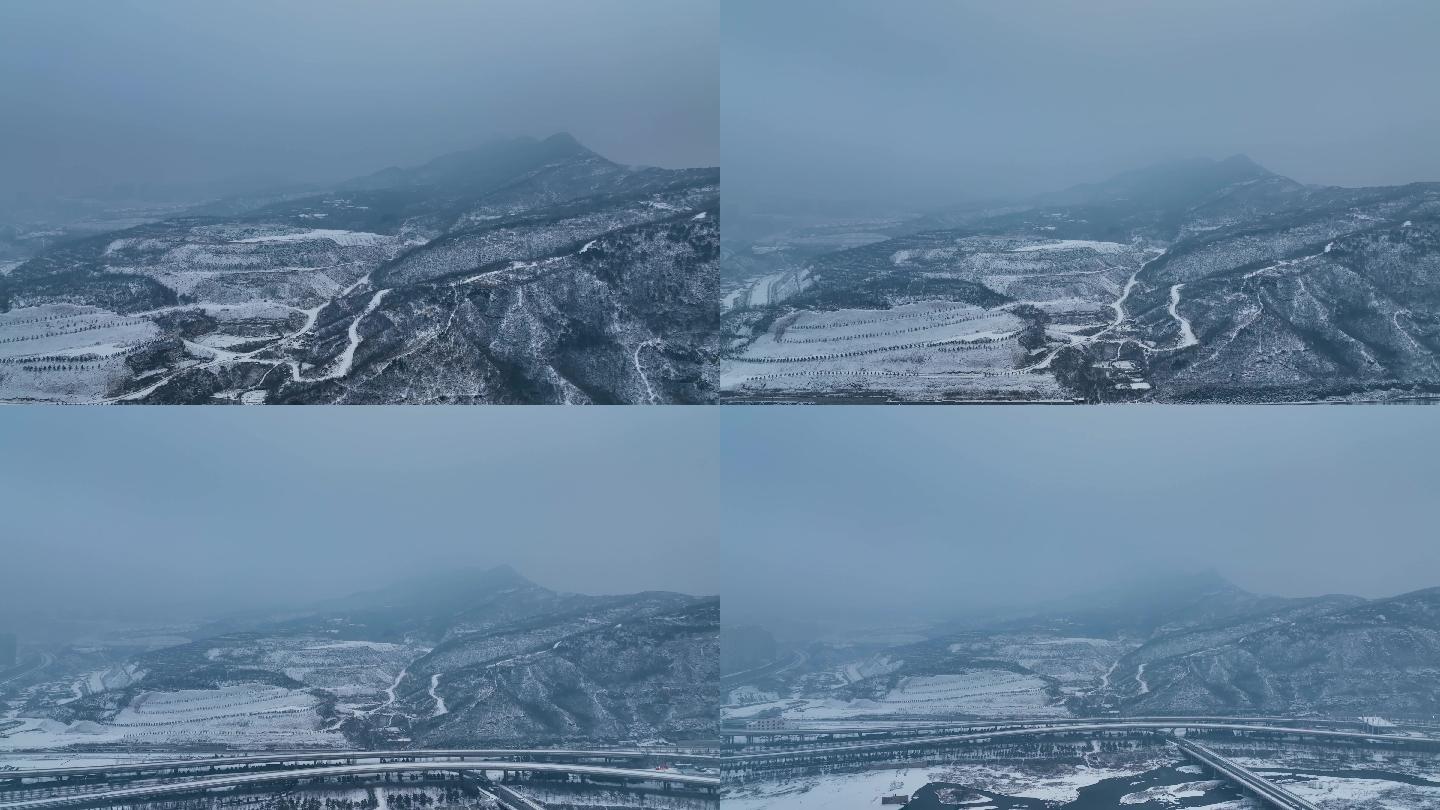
(1258, 786)
(737, 735)
(294, 777)
(863, 752)
(211, 765)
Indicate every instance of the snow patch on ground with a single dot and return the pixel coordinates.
(1073, 244)
(978, 692)
(250, 714)
(342, 238)
(1343, 793)
(1170, 795)
(858, 791)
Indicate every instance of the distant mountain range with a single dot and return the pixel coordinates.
(1193, 644)
(1333, 655)
(523, 271)
(461, 659)
(1196, 281)
(1203, 645)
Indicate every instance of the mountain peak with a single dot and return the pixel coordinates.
(1242, 161)
(563, 139)
(1175, 185)
(451, 589)
(474, 579)
(479, 169)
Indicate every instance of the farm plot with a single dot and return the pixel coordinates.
(66, 353)
(354, 671)
(248, 715)
(969, 692)
(924, 349)
(232, 265)
(1078, 664)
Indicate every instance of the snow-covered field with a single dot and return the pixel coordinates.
(343, 238)
(1170, 794)
(259, 283)
(1078, 663)
(862, 791)
(978, 692)
(858, 791)
(951, 350)
(249, 714)
(1343, 793)
(66, 353)
(576, 796)
(228, 265)
(84, 759)
(928, 347)
(1054, 784)
(357, 672)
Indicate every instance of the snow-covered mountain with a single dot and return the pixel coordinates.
(1192, 644)
(461, 659)
(1196, 281)
(1335, 656)
(520, 271)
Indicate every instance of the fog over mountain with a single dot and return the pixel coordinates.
(173, 515)
(853, 517)
(308, 178)
(182, 99)
(863, 106)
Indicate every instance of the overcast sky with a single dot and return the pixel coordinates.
(96, 92)
(882, 514)
(176, 510)
(924, 102)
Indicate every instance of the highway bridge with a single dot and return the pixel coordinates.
(290, 778)
(282, 760)
(735, 735)
(1258, 786)
(860, 753)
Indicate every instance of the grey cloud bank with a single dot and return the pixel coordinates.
(176, 93)
(171, 513)
(867, 515)
(926, 103)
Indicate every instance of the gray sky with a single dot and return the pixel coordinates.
(94, 92)
(876, 514)
(924, 102)
(159, 508)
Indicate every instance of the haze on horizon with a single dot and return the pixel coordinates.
(177, 514)
(869, 106)
(172, 95)
(854, 517)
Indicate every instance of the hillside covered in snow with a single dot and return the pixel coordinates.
(522, 271)
(1195, 281)
(471, 658)
(1194, 645)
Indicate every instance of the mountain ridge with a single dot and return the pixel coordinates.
(523, 271)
